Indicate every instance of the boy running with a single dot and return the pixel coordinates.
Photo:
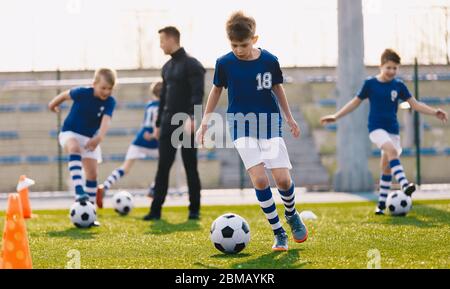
(144, 144)
(384, 92)
(85, 127)
(254, 80)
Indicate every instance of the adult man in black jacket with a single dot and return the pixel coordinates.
(183, 87)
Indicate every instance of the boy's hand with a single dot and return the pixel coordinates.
(200, 135)
(189, 126)
(295, 129)
(93, 143)
(148, 136)
(156, 132)
(328, 119)
(54, 108)
(442, 115)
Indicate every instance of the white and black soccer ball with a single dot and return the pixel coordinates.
(83, 214)
(123, 202)
(230, 233)
(398, 203)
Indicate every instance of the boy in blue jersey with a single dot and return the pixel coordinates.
(85, 127)
(384, 92)
(255, 93)
(144, 144)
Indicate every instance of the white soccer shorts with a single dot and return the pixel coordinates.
(82, 140)
(137, 152)
(380, 137)
(271, 152)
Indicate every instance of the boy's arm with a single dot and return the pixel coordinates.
(346, 109)
(95, 141)
(53, 105)
(423, 108)
(282, 99)
(213, 99)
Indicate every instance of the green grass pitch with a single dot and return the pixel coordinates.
(340, 238)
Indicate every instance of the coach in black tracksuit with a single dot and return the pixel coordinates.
(183, 87)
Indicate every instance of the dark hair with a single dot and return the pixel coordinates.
(390, 55)
(171, 31)
(240, 27)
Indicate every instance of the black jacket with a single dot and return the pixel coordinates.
(183, 85)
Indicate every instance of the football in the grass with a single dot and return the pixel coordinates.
(83, 214)
(230, 233)
(398, 204)
(123, 202)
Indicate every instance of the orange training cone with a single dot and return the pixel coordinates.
(22, 188)
(15, 252)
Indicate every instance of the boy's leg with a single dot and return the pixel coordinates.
(286, 188)
(90, 170)
(75, 166)
(397, 169)
(117, 174)
(264, 195)
(385, 184)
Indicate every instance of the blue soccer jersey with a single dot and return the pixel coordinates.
(87, 111)
(249, 84)
(150, 116)
(384, 98)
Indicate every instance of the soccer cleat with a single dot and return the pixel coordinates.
(100, 195)
(281, 242)
(379, 211)
(298, 228)
(410, 189)
(151, 217)
(95, 224)
(82, 198)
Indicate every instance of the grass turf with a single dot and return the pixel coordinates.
(340, 238)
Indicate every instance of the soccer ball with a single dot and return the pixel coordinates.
(398, 204)
(230, 233)
(83, 214)
(123, 202)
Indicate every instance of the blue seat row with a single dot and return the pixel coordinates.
(426, 151)
(45, 159)
(10, 134)
(333, 127)
(422, 77)
(37, 107)
(430, 100)
(111, 132)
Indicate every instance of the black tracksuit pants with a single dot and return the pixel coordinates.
(167, 153)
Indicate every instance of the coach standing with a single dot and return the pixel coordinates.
(183, 87)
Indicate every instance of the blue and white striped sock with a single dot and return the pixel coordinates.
(270, 210)
(385, 187)
(75, 167)
(398, 173)
(91, 190)
(113, 178)
(288, 198)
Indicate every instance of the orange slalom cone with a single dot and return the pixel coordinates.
(22, 188)
(15, 252)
